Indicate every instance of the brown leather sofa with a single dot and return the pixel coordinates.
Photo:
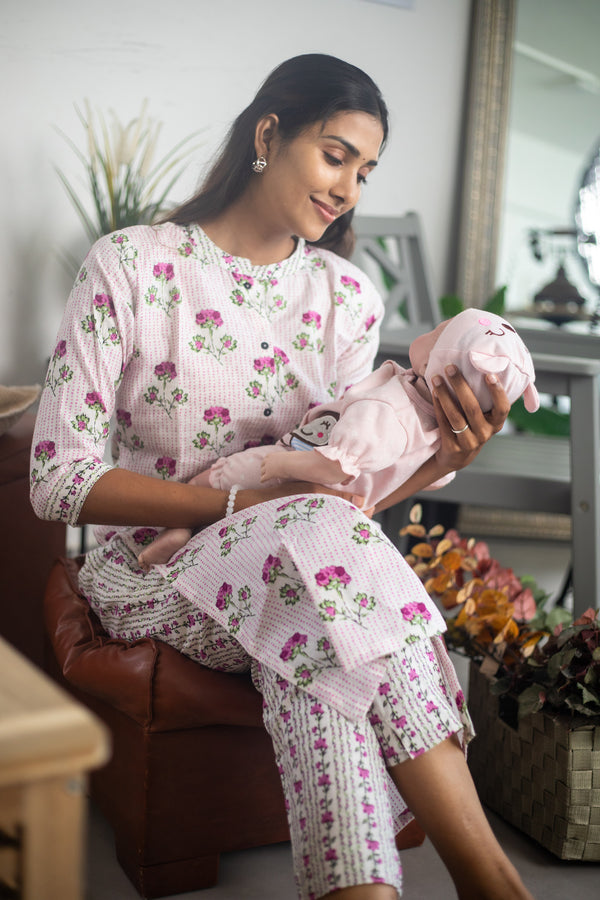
(193, 772)
(28, 546)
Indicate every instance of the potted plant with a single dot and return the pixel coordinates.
(534, 690)
(124, 183)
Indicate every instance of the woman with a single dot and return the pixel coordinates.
(202, 318)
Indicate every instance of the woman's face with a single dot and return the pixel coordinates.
(317, 176)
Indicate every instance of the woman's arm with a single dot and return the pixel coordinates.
(456, 450)
(120, 497)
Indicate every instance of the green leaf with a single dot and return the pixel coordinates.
(501, 685)
(581, 707)
(558, 616)
(497, 301)
(586, 695)
(559, 661)
(538, 622)
(531, 700)
(451, 305)
(545, 421)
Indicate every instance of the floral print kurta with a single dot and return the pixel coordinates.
(173, 353)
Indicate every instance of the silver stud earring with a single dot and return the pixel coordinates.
(259, 165)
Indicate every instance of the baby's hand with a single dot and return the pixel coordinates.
(269, 468)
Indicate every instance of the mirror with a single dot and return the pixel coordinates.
(533, 129)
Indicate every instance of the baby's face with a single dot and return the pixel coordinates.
(316, 432)
(422, 346)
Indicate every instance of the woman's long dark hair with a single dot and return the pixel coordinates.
(301, 91)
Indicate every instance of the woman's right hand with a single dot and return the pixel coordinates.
(464, 427)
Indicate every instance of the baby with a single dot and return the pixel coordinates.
(383, 428)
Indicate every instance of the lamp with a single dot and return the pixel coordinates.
(559, 301)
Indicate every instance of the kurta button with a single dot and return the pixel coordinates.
(268, 411)
(264, 345)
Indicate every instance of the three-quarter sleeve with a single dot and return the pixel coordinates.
(73, 421)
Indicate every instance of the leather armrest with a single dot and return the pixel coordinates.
(147, 680)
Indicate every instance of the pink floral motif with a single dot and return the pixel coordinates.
(350, 283)
(293, 646)
(265, 364)
(312, 318)
(94, 401)
(246, 280)
(271, 569)
(217, 415)
(415, 611)
(144, 536)
(61, 349)
(104, 303)
(332, 577)
(166, 371)
(224, 596)
(164, 271)
(45, 450)
(165, 466)
(124, 418)
(209, 317)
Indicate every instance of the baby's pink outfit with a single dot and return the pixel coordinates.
(386, 429)
(385, 432)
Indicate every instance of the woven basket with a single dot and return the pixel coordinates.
(543, 777)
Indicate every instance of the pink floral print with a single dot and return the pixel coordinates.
(207, 341)
(166, 396)
(162, 294)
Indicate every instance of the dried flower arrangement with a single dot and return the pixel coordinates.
(537, 654)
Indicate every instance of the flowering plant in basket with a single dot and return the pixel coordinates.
(538, 655)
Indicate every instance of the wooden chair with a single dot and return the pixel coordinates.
(513, 471)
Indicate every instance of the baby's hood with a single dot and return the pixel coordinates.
(478, 342)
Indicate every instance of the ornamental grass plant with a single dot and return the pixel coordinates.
(534, 652)
(124, 183)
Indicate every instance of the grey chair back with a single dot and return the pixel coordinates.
(390, 249)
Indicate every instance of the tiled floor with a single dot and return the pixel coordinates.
(266, 873)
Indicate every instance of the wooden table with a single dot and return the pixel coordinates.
(47, 744)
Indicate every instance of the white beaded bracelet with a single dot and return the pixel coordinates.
(231, 499)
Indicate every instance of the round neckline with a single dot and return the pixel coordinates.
(222, 257)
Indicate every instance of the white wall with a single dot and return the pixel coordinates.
(199, 62)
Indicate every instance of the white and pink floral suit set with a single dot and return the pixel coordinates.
(171, 354)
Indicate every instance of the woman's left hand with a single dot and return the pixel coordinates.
(464, 427)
